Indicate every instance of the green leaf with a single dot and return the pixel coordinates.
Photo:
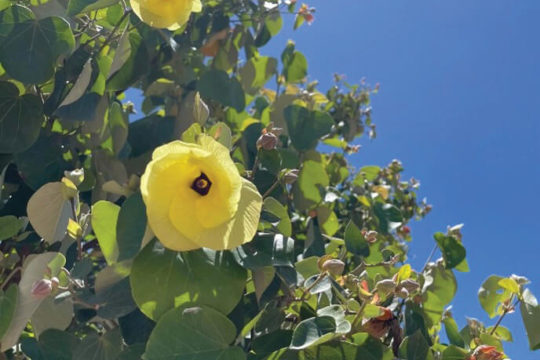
(104, 220)
(389, 216)
(52, 314)
(510, 285)
(162, 279)
(43, 162)
(355, 241)
(104, 347)
(49, 210)
(21, 118)
(222, 133)
(294, 64)
(9, 226)
(256, 72)
(439, 289)
(11, 16)
(8, 300)
(36, 45)
(216, 85)
(491, 294)
(415, 347)
(266, 250)
(146, 134)
(454, 352)
(81, 6)
(451, 248)
(130, 227)
(530, 313)
(275, 208)
(197, 333)
(306, 127)
(313, 331)
(52, 344)
(35, 268)
(452, 332)
(135, 66)
(309, 187)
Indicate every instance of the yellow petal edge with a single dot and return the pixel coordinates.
(183, 219)
(170, 14)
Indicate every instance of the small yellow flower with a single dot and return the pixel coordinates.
(170, 14)
(196, 198)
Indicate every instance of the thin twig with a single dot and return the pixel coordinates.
(113, 31)
(429, 257)
(271, 188)
(506, 310)
(11, 274)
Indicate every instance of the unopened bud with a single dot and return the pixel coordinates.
(371, 236)
(42, 288)
(410, 285)
(291, 176)
(267, 141)
(334, 266)
(402, 293)
(385, 286)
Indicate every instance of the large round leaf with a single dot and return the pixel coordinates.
(162, 279)
(306, 127)
(216, 84)
(20, 118)
(199, 333)
(31, 49)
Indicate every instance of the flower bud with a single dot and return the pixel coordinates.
(410, 285)
(42, 288)
(402, 293)
(291, 176)
(386, 286)
(371, 236)
(267, 141)
(334, 266)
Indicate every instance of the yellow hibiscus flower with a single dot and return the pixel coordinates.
(170, 14)
(196, 198)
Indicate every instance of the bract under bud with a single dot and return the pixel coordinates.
(291, 176)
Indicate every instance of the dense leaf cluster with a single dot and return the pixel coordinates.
(326, 276)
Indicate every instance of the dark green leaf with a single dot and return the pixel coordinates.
(266, 250)
(451, 248)
(162, 279)
(216, 85)
(21, 118)
(36, 45)
(313, 331)
(104, 347)
(52, 344)
(306, 127)
(135, 66)
(530, 313)
(8, 300)
(130, 227)
(355, 241)
(452, 332)
(198, 333)
(415, 347)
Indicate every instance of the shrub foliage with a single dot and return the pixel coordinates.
(326, 275)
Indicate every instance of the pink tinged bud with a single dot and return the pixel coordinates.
(291, 176)
(42, 288)
(334, 266)
(267, 141)
(371, 236)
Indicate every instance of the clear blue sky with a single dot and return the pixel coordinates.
(460, 107)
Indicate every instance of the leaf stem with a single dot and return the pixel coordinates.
(429, 257)
(271, 188)
(11, 274)
(308, 289)
(113, 31)
(506, 310)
